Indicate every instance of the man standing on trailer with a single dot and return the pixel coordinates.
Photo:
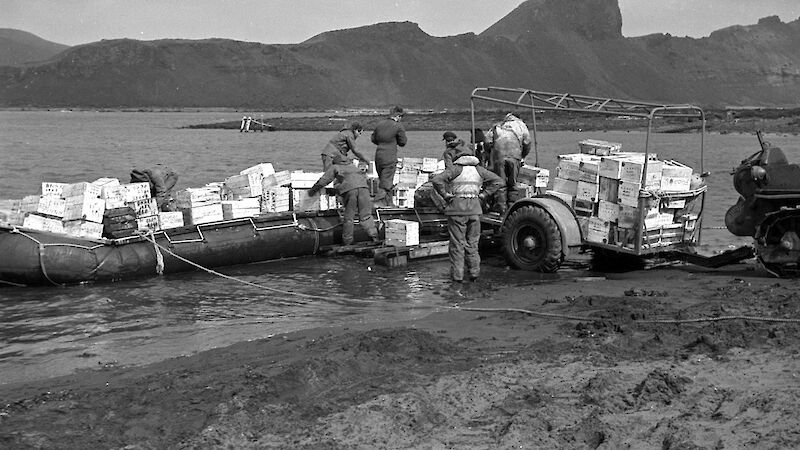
(510, 142)
(464, 186)
(388, 135)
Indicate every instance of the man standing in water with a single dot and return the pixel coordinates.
(388, 135)
(464, 186)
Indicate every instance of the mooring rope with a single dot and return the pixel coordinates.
(228, 277)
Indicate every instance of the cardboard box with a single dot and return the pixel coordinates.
(276, 199)
(237, 209)
(607, 211)
(597, 147)
(170, 219)
(114, 195)
(608, 189)
(144, 208)
(675, 169)
(628, 193)
(52, 189)
(301, 201)
(84, 208)
(633, 170)
(263, 169)
(587, 191)
(83, 189)
(84, 228)
(282, 178)
(45, 204)
(105, 181)
(135, 191)
(242, 186)
(598, 230)
(207, 213)
(194, 197)
(305, 180)
(148, 223)
(628, 217)
(400, 233)
(429, 165)
(533, 176)
(569, 187)
(41, 223)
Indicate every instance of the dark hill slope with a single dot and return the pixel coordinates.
(556, 45)
(20, 47)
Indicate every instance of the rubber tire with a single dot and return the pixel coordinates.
(535, 222)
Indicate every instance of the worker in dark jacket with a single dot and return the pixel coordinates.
(453, 146)
(464, 187)
(162, 180)
(351, 184)
(343, 142)
(388, 135)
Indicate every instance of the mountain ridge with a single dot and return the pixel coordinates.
(551, 45)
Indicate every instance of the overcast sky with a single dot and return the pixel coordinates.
(74, 22)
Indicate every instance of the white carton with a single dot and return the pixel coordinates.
(193, 197)
(84, 207)
(628, 193)
(305, 180)
(607, 211)
(203, 214)
(598, 230)
(399, 232)
(170, 219)
(265, 169)
(84, 228)
(245, 185)
(148, 223)
(587, 191)
(41, 223)
(135, 191)
(598, 147)
(237, 209)
(276, 199)
(52, 189)
(84, 189)
(569, 187)
(144, 208)
(282, 178)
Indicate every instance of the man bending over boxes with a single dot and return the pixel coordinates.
(351, 184)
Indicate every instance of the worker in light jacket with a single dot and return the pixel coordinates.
(465, 186)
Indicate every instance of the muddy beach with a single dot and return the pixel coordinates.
(675, 357)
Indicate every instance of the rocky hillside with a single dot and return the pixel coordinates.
(552, 45)
(20, 47)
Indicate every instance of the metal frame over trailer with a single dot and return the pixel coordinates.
(540, 232)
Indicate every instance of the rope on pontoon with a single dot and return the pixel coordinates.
(228, 277)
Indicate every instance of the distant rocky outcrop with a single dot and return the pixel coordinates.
(551, 45)
(20, 47)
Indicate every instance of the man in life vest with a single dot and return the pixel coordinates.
(162, 180)
(464, 186)
(510, 143)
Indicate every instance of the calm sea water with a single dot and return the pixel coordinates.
(52, 331)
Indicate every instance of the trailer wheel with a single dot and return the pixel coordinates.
(532, 240)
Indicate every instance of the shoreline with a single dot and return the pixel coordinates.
(577, 361)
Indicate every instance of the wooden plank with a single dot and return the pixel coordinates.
(429, 249)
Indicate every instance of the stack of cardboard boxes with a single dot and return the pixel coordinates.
(610, 190)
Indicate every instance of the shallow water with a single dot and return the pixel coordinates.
(52, 331)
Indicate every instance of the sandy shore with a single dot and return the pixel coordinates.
(670, 358)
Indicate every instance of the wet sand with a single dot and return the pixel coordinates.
(677, 357)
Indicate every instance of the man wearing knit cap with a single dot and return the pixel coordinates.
(388, 135)
(453, 146)
(464, 186)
